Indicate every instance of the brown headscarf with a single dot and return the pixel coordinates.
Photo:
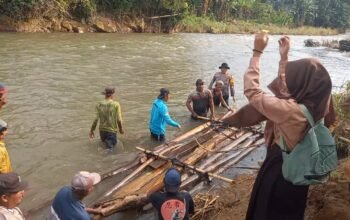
(309, 83)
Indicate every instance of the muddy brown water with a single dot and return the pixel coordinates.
(55, 81)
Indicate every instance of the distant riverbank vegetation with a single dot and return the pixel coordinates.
(312, 17)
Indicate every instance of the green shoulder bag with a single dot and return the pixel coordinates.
(312, 159)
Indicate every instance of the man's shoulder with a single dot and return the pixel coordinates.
(63, 192)
(193, 93)
(155, 195)
(115, 103)
(8, 214)
(2, 144)
(184, 194)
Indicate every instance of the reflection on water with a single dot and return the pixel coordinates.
(55, 80)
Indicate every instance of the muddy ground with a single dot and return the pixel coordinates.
(330, 201)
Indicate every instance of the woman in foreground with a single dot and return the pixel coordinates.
(305, 82)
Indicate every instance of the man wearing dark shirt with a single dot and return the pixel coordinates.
(172, 204)
(202, 100)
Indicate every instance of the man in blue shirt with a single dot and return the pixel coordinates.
(67, 204)
(160, 116)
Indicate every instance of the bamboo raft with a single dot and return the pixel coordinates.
(202, 153)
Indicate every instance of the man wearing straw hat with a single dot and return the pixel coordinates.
(228, 81)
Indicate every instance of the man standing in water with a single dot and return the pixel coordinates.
(109, 113)
(228, 81)
(201, 100)
(160, 116)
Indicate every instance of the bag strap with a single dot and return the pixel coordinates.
(307, 114)
(309, 118)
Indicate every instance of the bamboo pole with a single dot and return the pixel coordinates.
(232, 162)
(137, 171)
(186, 165)
(120, 170)
(240, 157)
(228, 147)
(188, 180)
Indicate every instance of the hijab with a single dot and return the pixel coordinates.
(309, 83)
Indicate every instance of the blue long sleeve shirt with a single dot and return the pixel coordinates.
(160, 117)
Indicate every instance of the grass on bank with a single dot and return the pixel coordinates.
(194, 24)
(341, 100)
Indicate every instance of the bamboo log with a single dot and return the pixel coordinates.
(240, 138)
(227, 148)
(186, 165)
(231, 156)
(120, 170)
(184, 136)
(231, 163)
(137, 171)
(214, 166)
(240, 157)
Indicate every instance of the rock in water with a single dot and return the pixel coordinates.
(312, 43)
(344, 45)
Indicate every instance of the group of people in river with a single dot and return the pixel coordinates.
(301, 86)
(199, 102)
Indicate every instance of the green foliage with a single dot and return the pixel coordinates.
(199, 24)
(82, 9)
(332, 13)
(323, 13)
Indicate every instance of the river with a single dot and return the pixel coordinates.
(55, 80)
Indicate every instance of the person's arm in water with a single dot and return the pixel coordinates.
(222, 100)
(189, 106)
(94, 124)
(165, 114)
(211, 105)
(119, 119)
(211, 83)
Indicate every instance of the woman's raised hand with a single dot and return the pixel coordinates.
(260, 42)
(284, 43)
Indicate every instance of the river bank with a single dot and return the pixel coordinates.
(325, 202)
(158, 24)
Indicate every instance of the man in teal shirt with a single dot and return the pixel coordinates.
(160, 116)
(108, 112)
